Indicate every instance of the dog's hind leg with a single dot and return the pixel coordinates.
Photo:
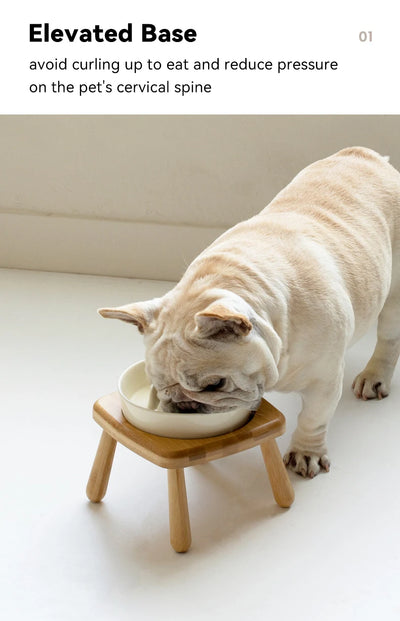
(374, 381)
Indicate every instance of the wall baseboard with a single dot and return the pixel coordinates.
(102, 247)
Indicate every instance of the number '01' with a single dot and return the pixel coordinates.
(365, 36)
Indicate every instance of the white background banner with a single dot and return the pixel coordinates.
(215, 57)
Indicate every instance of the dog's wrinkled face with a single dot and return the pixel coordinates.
(208, 361)
(205, 376)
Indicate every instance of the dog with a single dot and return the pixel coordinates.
(275, 301)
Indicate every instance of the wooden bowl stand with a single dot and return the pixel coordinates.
(176, 454)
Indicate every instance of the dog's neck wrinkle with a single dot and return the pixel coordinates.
(227, 272)
(268, 312)
(199, 288)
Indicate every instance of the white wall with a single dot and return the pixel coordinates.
(142, 195)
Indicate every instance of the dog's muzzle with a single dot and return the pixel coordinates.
(188, 406)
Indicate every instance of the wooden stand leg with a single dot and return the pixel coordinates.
(100, 473)
(278, 476)
(179, 525)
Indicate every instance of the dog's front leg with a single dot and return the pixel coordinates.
(308, 452)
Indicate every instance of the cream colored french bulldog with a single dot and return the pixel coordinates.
(275, 301)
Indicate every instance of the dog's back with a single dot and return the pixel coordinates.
(339, 219)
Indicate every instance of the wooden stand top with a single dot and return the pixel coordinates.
(267, 422)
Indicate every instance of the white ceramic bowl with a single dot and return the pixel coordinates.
(139, 403)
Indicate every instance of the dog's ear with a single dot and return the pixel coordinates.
(140, 313)
(220, 321)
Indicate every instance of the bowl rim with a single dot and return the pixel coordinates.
(122, 377)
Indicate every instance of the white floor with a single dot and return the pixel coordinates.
(334, 555)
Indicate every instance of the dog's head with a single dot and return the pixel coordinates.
(204, 355)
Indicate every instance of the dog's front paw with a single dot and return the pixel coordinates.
(370, 385)
(307, 464)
